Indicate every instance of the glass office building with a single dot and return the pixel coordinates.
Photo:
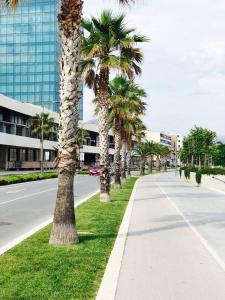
(30, 53)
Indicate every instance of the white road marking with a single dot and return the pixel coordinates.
(27, 196)
(14, 192)
(39, 227)
(207, 246)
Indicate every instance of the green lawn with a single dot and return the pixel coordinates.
(35, 270)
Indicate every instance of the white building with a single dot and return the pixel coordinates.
(20, 150)
(159, 137)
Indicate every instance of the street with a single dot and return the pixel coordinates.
(26, 205)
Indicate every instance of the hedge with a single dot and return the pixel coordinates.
(25, 178)
(203, 171)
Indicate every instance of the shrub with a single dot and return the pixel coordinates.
(25, 178)
(198, 176)
(187, 173)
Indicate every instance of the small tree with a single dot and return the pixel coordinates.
(81, 139)
(41, 127)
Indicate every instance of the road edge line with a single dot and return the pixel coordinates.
(29, 233)
(108, 286)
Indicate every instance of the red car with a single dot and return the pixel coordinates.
(94, 170)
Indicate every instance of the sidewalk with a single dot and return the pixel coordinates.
(165, 257)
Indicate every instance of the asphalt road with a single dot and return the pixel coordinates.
(175, 249)
(26, 205)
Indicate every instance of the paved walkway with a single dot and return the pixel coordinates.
(175, 248)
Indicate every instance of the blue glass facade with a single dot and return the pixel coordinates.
(30, 52)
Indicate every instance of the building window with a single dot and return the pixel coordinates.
(12, 154)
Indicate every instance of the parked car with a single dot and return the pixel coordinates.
(94, 170)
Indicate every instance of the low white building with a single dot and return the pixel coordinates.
(20, 150)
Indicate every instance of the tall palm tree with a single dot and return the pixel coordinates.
(125, 100)
(41, 126)
(142, 150)
(108, 45)
(69, 19)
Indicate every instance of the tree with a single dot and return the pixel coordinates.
(81, 139)
(142, 150)
(164, 153)
(198, 147)
(124, 102)
(69, 19)
(135, 133)
(152, 150)
(219, 154)
(41, 126)
(108, 45)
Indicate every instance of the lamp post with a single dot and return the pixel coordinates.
(42, 140)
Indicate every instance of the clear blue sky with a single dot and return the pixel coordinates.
(184, 68)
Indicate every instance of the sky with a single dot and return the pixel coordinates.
(184, 65)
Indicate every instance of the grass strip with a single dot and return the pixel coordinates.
(36, 270)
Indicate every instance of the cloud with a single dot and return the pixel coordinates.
(184, 67)
(214, 84)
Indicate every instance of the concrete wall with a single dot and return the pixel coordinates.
(208, 181)
(213, 182)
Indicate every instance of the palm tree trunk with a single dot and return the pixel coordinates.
(192, 160)
(199, 162)
(142, 173)
(117, 160)
(165, 165)
(150, 164)
(123, 160)
(41, 154)
(103, 134)
(64, 230)
(128, 163)
(158, 164)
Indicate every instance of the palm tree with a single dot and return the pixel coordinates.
(164, 153)
(69, 19)
(135, 133)
(124, 101)
(151, 147)
(81, 139)
(108, 45)
(142, 150)
(158, 149)
(12, 4)
(41, 126)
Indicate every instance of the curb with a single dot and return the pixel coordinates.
(39, 227)
(109, 282)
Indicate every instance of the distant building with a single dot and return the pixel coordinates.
(159, 137)
(19, 149)
(30, 54)
(177, 142)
